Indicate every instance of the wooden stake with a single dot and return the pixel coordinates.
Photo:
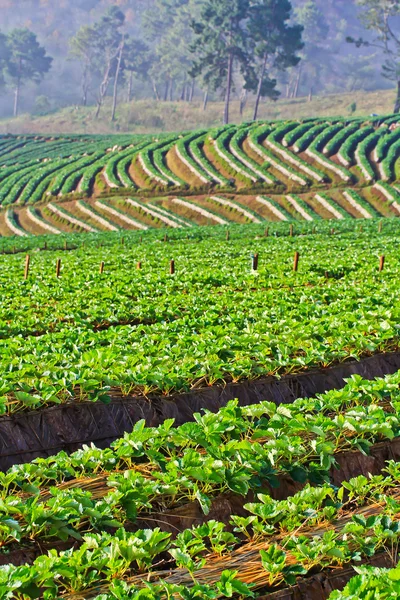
(314, 229)
(266, 232)
(291, 230)
(27, 261)
(122, 241)
(58, 267)
(140, 239)
(332, 231)
(101, 270)
(172, 267)
(139, 265)
(227, 235)
(255, 262)
(296, 261)
(65, 245)
(165, 238)
(45, 246)
(380, 227)
(381, 263)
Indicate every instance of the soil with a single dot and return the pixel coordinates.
(41, 433)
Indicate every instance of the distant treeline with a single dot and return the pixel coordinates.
(86, 52)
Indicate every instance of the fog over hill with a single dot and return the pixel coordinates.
(160, 34)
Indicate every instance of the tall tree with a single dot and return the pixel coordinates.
(4, 58)
(167, 27)
(109, 40)
(27, 62)
(314, 56)
(84, 47)
(221, 44)
(381, 17)
(275, 44)
(137, 62)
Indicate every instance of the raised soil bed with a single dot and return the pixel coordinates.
(28, 435)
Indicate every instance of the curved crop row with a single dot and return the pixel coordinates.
(146, 160)
(13, 224)
(235, 146)
(38, 184)
(246, 212)
(289, 133)
(66, 179)
(363, 207)
(307, 138)
(170, 215)
(391, 194)
(37, 218)
(208, 214)
(67, 217)
(207, 170)
(361, 155)
(387, 166)
(333, 207)
(336, 142)
(195, 167)
(114, 211)
(286, 170)
(348, 148)
(95, 216)
(301, 164)
(154, 213)
(220, 146)
(302, 207)
(89, 175)
(275, 208)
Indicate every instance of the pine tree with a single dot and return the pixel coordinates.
(27, 61)
(275, 44)
(221, 44)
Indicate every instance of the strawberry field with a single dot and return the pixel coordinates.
(293, 170)
(200, 397)
(212, 427)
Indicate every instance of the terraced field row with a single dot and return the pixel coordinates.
(132, 213)
(276, 157)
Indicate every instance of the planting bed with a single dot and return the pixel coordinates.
(200, 412)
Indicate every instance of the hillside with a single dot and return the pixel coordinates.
(149, 116)
(295, 170)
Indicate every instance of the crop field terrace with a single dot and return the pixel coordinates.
(195, 412)
(265, 171)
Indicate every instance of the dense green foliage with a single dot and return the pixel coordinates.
(155, 332)
(237, 449)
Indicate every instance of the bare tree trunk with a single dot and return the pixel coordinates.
(155, 90)
(191, 91)
(117, 72)
(85, 85)
(397, 105)
(287, 90)
(310, 96)
(259, 89)
(130, 86)
(205, 101)
(17, 89)
(183, 94)
(297, 84)
(228, 89)
(243, 101)
(171, 90)
(104, 84)
(16, 97)
(166, 90)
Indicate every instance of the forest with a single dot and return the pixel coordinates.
(100, 52)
